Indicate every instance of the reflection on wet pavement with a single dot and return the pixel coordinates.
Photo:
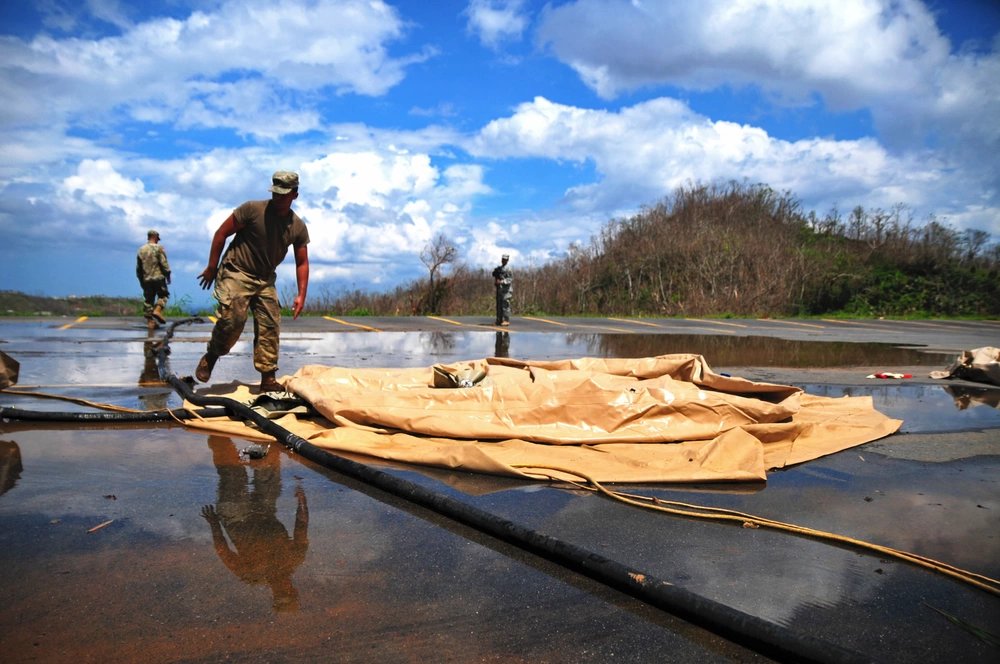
(926, 408)
(502, 346)
(246, 512)
(407, 349)
(381, 581)
(155, 393)
(755, 351)
(966, 397)
(10, 465)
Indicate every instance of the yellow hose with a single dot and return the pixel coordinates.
(76, 400)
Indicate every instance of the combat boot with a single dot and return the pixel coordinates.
(151, 324)
(205, 366)
(268, 383)
(158, 314)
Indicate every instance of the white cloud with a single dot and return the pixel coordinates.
(239, 67)
(849, 49)
(886, 57)
(370, 178)
(643, 152)
(496, 21)
(98, 180)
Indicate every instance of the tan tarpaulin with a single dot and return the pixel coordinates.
(9, 369)
(981, 365)
(658, 419)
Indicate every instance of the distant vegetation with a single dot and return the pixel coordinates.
(722, 250)
(14, 303)
(729, 250)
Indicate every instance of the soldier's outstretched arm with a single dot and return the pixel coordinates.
(227, 228)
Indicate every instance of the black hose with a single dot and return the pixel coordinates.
(163, 415)
(753, 632)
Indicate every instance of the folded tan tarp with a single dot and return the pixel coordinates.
(9, 369)
(658, 419)
(981, 365)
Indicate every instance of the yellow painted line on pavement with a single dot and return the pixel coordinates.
(213, 319)
(358, 325)
(604, 327)
(543, 320)
(715, 322)
(581, 325)
(637, 322)
(841, 322)
(938, 325)
(790, 322)
(856, 323)
(78, 320)
(446, 320)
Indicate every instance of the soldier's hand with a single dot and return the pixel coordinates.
(209, 513)
(207, 277)
(297, 306)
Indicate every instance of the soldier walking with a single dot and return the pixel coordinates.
(153, 271)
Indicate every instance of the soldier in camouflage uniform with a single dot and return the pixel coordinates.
(153, 272)
(244, 281)
(503, 280)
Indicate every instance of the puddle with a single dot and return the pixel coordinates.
(927, 408)
(204, 556)
(409, 348)
(34, 340)
(758, 351)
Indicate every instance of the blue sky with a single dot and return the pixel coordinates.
(510, 126)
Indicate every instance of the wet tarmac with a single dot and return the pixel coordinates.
(123, 542)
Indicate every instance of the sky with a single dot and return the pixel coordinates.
(508, 126)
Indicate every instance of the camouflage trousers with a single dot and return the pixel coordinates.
(154, 294)
(238, 295)
(503, 304)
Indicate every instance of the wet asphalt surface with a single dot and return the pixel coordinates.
(126, 542)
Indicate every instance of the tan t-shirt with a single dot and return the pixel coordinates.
(262, 239)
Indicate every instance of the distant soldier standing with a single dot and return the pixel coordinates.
(503, 280)
(153, 272)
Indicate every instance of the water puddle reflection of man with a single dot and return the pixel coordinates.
(502, 346)
(261, 552)
(152, 399)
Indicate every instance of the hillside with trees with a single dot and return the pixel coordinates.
(733, 249)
